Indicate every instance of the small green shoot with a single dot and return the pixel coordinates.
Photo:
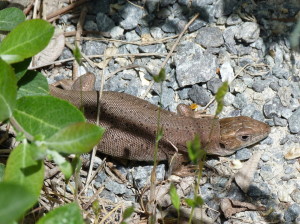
(220, 97)
(77, 54)
(161, 76)
(127, 213)
(175, 199)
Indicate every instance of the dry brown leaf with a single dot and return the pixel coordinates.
(244, 177)
(52, 51)
(230, 207)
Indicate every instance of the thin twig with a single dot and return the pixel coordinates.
(139, 43)
(101, 56)
(65, 9)
(171, 52)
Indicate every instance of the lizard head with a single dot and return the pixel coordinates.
(240, 132)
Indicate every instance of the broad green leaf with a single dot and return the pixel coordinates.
(26, 40)
(2, 168)
(45, 114)
(22, 169)
(65, 167)
(220, 96)
(8, 90)
(174, 197)
(14, 201)
(76, 138)
(31, 84)
(21, 68)
(10, 17)
(67, 214)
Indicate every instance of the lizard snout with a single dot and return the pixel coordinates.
(240, 132)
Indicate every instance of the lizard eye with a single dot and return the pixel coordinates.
(244, 138)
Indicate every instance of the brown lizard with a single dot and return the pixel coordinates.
(131, 125)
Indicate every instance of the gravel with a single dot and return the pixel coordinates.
(229, 38)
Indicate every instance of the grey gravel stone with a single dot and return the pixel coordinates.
(90, 25)
(258, 115)
(248, 80)
(274, 86)
(285, 95)
(292, 213)
(248, 32)
(229, 99)
(207, 192)
(240, 101)
(295, 195)
(117, 32)
(193, 65)
(265, 157)
(104, 23)
(154, 48)
(248, 110)
(173, 25)
(280, 72)
(280, 121)
(286, 113)
(196, 25)
(131, 15)
(238, 86)
(243, 154)
(141, 175)
(233, 19)
(259, 85)
(273, 108)
(93, 47)
(210, 37)
(157, 33)
(183, 93)
(214, 84)
(283, 82)
(199, 95)
(228, 35)
(294, 122)
(259, 190)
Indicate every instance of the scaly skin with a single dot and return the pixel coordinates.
(131, 125)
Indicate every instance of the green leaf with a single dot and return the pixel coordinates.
(10, 17)
(21, 68)
(2, 168)
(198, 201)
(65, 167)
(195, 151)
(14, 201)
(33, 83)
(159, 134)
(77, 138)
(220, 96)
(45, 114)
(26, 40)
(67, 214)
(174, 197)
(8, 90)
(77, 54)
(22, 169)
(161, 76)
(190, 202)
(128, 212)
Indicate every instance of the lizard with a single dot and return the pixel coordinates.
(131, 125)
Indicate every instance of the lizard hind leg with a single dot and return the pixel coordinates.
(179, 167)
